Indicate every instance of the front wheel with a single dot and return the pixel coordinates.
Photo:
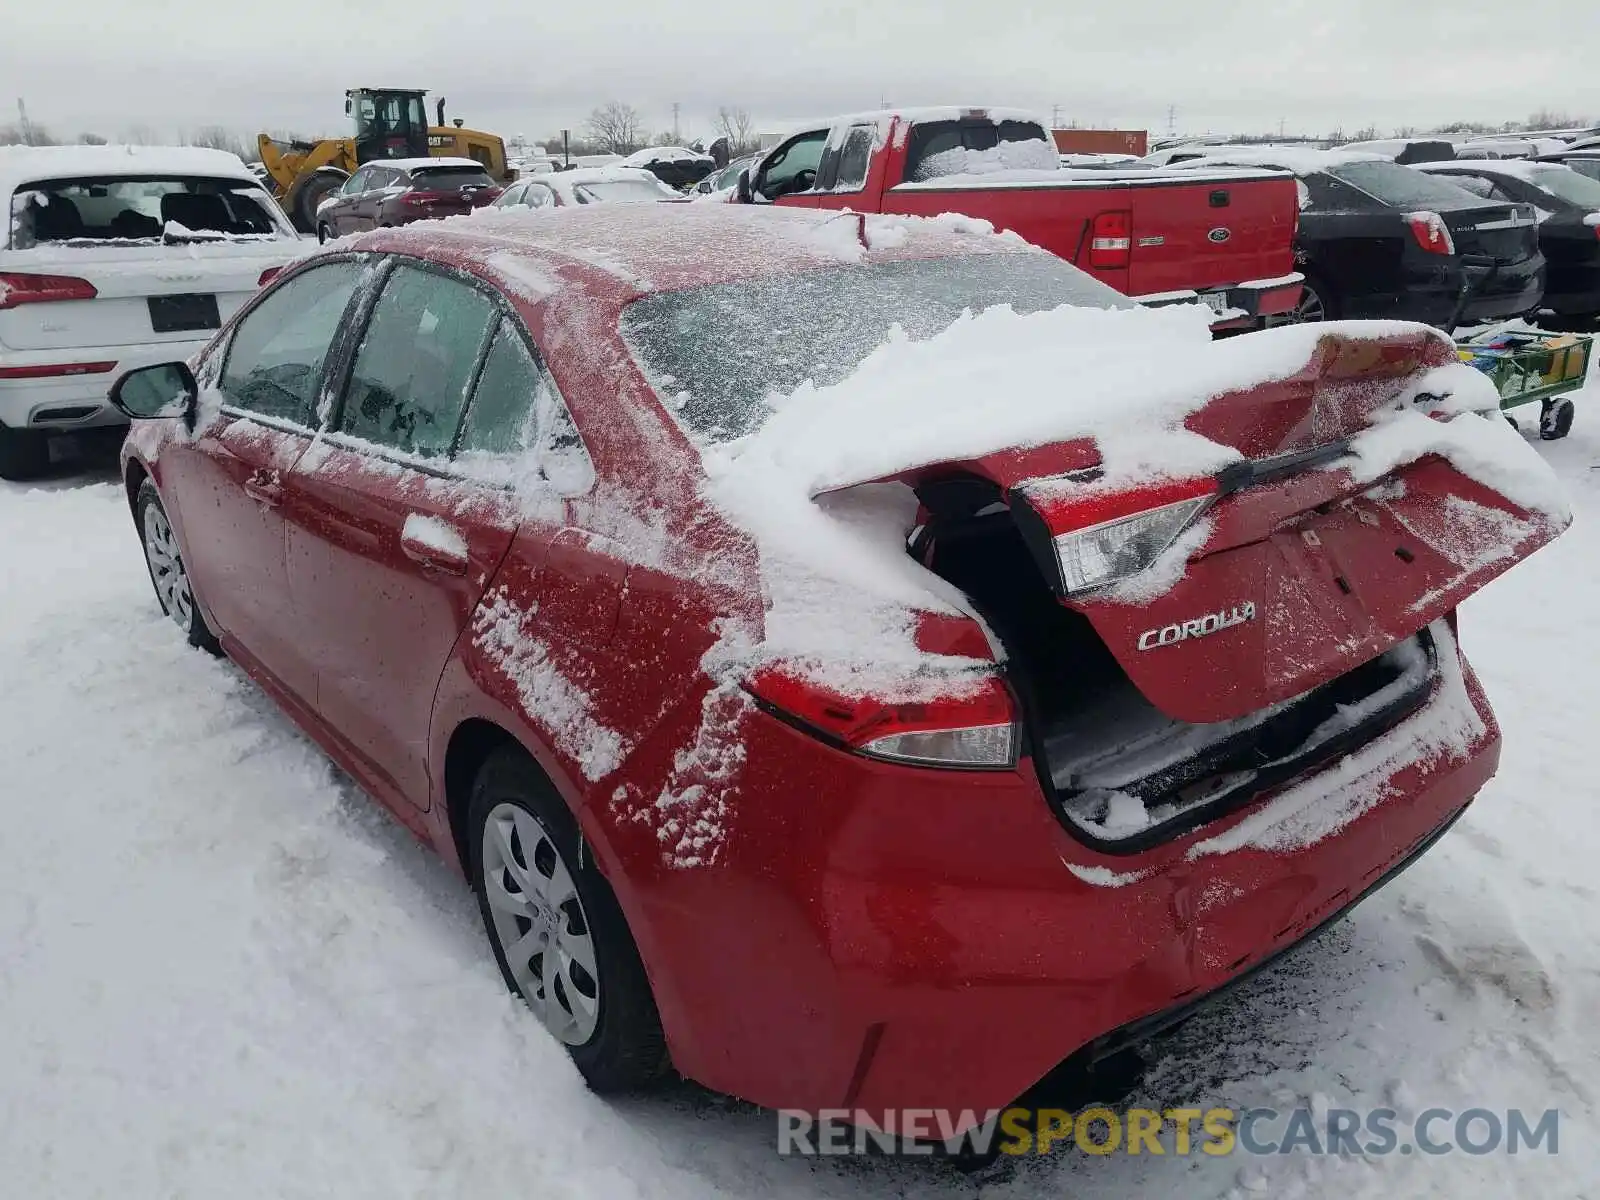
(1555, 419)
(325, 234)
(167, 573)
(558, 933)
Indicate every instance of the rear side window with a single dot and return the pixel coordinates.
(500, 418)
(140, 209)
(415, 365)
(933, 144)
(1402, 187)
(276, 357)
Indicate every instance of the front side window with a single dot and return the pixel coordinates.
(794, 168)
(414, 367)
(276, 357)
(357, 183)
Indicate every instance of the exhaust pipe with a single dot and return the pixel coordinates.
(440, 111)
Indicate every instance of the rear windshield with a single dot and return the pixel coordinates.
(140, 209)
(622, 190)
(936, 148)
(1568, 185)
(446, 178)
(715, 354)
(1402, 187)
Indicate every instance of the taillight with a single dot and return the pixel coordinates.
(974, 727)
(17, 289)
(1111, 240)
(268, 276)
(1120, 534)
(1432, 234)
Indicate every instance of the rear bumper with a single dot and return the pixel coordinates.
(1240, 305)
(33, 392)
(879, 937)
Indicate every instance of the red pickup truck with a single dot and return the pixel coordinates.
(1224, 237)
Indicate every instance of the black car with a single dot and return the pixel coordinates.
(1381, 240)
(1569, 228)
(1584, 162)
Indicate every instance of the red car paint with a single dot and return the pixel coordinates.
(1228, 235)
(871, 934)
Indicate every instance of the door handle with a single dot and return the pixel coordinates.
(265, 487)
(431, 554)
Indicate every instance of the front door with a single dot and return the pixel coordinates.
(402, 513)
(228, 483)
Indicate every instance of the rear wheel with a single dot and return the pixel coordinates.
(168, 575)
(558, 933)
(1315, 303)
(24, 453)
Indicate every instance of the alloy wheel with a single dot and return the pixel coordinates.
(166, 568)
(1309, 307)
(540, 924)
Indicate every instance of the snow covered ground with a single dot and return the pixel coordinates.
(223, 973)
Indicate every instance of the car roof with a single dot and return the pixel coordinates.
(416, 164)
(626, 251)
(21, 165)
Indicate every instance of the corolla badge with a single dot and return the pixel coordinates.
(1219, 235)
(1197, 627)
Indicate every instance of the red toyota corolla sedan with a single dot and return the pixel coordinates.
(834, 756)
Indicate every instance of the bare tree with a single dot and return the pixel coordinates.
(25, 135)
(617, 127)
(217, 137)
(735, 125)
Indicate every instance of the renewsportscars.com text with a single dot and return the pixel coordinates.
(1375, 1132)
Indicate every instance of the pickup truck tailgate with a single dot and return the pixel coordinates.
(1218, 229)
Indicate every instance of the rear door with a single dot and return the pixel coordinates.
(390, 541)
(226, 488)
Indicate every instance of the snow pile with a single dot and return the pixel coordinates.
(690, 815)
(1032, 155)
(508, 635)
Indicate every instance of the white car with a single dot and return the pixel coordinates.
(596, 185)
(116, 257)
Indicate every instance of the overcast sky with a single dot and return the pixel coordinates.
(531, 67)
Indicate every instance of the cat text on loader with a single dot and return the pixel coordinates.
(389, 123)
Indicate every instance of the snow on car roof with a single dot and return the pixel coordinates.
(662, 247)
(566, 182)
(414, 164)
(1514, 168)
(1297, 159)
(650, 154)
(21, 165)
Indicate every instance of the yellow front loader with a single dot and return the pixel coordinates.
(389, 123)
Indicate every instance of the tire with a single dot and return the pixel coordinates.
(24, 453)
(168, 576)
(312, 193)
(325, 235)
(1555, 420)
(614, 1035)
(1316, 303)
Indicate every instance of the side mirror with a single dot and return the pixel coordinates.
(743, 191)
(164, 390)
